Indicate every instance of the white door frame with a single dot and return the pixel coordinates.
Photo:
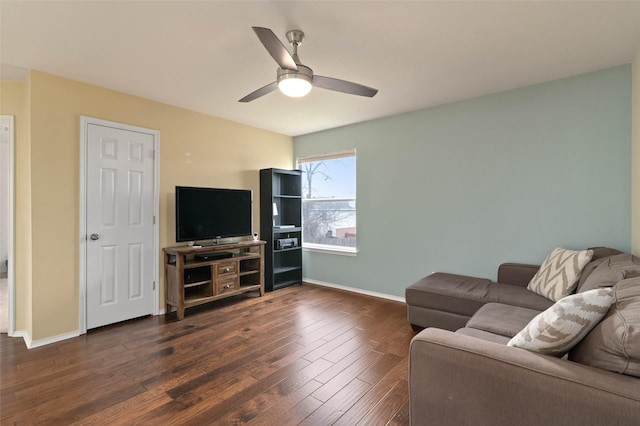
(11, 326)
(84, 123)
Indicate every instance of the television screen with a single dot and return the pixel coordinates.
(208, 213)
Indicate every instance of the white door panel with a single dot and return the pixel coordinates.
(119, 223)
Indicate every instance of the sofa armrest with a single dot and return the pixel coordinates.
(516, 273)
(460, 380)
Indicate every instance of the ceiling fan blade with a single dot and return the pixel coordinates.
(275, 48)
(343, 86)
(260, 92)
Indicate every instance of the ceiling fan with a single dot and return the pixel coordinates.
(293, 78)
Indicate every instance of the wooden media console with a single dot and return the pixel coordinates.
(197, 275)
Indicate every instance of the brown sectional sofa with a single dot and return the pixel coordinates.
(462, 373)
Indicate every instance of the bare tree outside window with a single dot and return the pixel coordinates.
(329, 202)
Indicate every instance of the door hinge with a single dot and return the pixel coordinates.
(154, 285)
(154, 220)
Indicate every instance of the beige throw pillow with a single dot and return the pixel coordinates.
(556, 330)
(559, 273)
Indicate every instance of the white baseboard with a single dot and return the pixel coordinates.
(54, 339)
(42, 342)
(355, 290)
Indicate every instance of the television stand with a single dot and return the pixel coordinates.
(233, 269)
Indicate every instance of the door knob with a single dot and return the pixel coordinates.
(94, 237)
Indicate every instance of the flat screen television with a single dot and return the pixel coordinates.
(212, 213)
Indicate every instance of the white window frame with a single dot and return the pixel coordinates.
(326, 248)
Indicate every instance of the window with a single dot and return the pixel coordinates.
(329, 201)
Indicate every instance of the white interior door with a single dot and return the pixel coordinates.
(119, 224)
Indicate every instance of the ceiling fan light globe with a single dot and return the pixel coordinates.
(294, 87)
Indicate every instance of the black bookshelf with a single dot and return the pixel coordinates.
(281, 226)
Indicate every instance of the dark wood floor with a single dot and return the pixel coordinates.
(302, 355)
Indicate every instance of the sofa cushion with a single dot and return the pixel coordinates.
(559, 328)
(610, 270)
(559, 273)
(614, 344)
(484, 335)
(517, 296)
(600, 254)
(498, 318)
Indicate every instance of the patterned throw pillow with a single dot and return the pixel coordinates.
(563, 325)
(559, 273)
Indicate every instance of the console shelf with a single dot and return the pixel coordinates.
(285, 269)
(191, 282)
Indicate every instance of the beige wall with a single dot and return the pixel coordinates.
(195, 149)
(635, 158)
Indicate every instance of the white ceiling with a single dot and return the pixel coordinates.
(203, 55)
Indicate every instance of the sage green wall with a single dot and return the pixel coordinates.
(504, 177)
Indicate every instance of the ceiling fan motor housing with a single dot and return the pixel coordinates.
(303, 73)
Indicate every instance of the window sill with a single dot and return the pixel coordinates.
(321, 248)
